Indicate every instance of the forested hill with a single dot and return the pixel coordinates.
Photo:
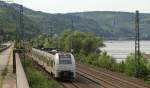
(10, 20)
(110, 25)
(119, 24)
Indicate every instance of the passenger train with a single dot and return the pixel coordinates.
(60, 64)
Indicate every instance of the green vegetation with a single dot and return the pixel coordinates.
(69, 39)
(9, 24)
(110, 25)
(37, 78)
(142, 67)
(85, 45)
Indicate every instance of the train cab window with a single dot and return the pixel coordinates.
(65, 59)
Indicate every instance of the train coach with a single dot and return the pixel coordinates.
(60, 64)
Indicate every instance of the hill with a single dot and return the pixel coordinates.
(119, 24)
(10, 20)
(106, 24)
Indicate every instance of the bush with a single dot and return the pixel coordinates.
(37, 78)
(106, 61)
(139, 70)
(121, 66)
(100, 60)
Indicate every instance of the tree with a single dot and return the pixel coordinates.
(78, 41)
(130, 67)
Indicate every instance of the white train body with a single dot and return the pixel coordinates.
(61, 65)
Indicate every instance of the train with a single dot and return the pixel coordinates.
(60, 64)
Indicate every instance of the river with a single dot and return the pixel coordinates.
(121, 49)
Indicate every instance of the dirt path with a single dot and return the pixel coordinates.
(7, 78)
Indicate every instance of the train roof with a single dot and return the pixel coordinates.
(52, 50)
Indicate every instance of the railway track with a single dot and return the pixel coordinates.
(99, 81)
(82, 82)
(69, 85)
(108, 78)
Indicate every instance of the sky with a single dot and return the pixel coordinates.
(67, 6)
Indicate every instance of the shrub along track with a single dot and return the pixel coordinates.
(109, 79)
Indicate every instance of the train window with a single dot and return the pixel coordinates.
(65, 59)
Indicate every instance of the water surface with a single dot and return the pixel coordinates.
(121, 49)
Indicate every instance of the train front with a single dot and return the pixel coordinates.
(65, 66)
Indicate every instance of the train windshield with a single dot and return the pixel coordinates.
(65, 59)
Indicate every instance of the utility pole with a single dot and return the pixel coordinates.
(51, 28)
(71, 45)
(21, 28)
(137, 44)
(51, 31)
(21, 25)
(72, 25)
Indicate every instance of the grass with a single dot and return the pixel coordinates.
(37, 78)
